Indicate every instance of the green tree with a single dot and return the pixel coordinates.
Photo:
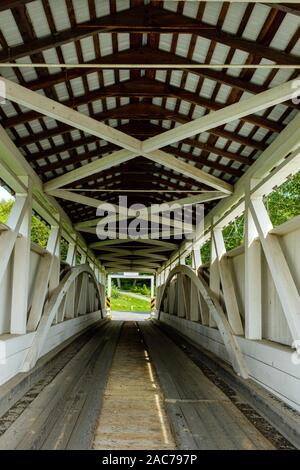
(284, 203)
(234, 233)
(39, 230)
(205, 252)
(5, 207)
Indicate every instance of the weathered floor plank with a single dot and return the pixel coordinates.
(201, 415)
(132, 415)
(75, 428)
(51, 419)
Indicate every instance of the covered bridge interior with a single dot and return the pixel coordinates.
(185, 102)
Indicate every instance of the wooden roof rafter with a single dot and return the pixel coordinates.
(223, 151)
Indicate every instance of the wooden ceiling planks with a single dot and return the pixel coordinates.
(142, 87)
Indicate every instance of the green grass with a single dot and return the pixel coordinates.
(125, 303)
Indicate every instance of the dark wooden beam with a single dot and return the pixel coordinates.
(60, 129)
(292, 8)
(73, 144)
(7, 4)
(197, 159)
(147, 19)
(61, 164)
(146, 168)
(130, 179)
(170, 149)
(34, 156)
(164, 115)
(144, 88)
(139, 166)
(147, 55)
(74, 160)
(145, 111)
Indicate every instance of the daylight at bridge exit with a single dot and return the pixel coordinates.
(149, 230)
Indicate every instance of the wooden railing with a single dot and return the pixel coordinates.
(188, 295)
(73, 296)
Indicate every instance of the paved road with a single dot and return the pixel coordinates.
(133, 294)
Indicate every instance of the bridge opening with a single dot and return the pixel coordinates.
(128, 292)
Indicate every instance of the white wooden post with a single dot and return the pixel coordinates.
(53, 247)
(21, 268)
(214, 278)
(182, 258)
(71, 254)
(83, 258)
(196, 257)
(195, 300)
(78, 295)
(195, 303)
(183, 292)
(109, 285)
(253, 279)
(83, 295)
(70, 296)
(282, 277)
(152, 287)
(8, 238)
(159, 278)
(230, 299)
(47, 278)
(70, 301)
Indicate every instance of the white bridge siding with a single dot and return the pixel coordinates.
(274, 324)
(14, 348)
(268, 363)
(36, 254)
(269, 360)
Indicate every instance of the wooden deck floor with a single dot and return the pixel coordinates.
(200, 414)
(64, 412)
(129, 386)
(132, 415)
